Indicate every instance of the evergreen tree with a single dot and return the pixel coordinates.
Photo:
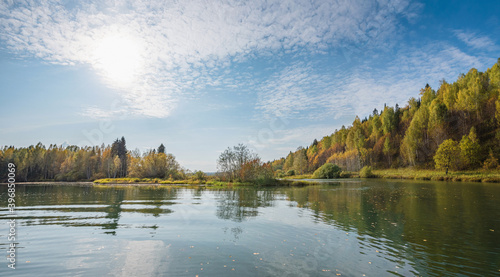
(161, 148)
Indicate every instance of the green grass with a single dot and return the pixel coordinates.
(303, 176)
(147, 181)
(492, 176)
(168, 182)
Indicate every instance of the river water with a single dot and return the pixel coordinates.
(345, 228)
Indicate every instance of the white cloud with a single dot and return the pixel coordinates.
(174, 47)
(298, 91)
(409, 71)
(476, 41)
(302, 92)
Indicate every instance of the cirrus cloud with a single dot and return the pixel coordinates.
(183, 45)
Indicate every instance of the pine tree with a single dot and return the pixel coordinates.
(161, 148)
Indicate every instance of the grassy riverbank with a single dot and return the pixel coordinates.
(209, 182)
(491, 176)
(167, 182)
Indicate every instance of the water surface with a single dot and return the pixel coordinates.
(350, 227)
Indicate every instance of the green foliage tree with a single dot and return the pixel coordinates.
(469, 150)
(288, 162)
(470, 92)
(447, 155)
(300, 161)
(416, 138)
(388, 120)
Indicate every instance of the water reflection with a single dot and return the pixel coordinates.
(401, 228)
(242, 203)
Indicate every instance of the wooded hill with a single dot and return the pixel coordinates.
(466, 111)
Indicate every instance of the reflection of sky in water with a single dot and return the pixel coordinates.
(351, 228)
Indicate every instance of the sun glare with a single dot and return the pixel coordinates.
(119, 58)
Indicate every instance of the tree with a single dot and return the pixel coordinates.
(497, 114)
(117, 165)
(241, 164)
(231, 161)
(119, 148)
(447, 155)
(199, 175)
(388, 120)
(469, 150)
(415, 141)
(300, 161)
(388, 150)
(161, 148)
(288, 162)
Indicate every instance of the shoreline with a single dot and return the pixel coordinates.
(306, 179)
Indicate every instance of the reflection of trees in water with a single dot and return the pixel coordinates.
(240, 204)
(154, 196)
(113, 210)
(430, 224)
(82, 206)
(235, 232)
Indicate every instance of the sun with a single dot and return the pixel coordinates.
(119, 58)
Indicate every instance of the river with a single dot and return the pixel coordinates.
(344, 228)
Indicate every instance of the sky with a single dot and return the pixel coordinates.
(200, 76)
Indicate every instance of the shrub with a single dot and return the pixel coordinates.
(279, 173)
(199, 175)
(345, 174)
(290, 172)
(327, 171)
(366, 172)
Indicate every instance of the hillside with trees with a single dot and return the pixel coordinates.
(456, 127)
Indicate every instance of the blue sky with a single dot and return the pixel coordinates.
(199, 76)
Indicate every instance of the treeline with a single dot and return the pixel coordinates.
(466, 112)
(73, 163)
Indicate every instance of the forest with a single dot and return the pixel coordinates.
(73, 163)
(456, 127)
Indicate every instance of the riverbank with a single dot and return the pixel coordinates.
(211, 183)
(433, 175)
(492, 176)
(304, 179)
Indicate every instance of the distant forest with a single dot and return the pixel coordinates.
(456, 127)
(464, 114)
(73, 163)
